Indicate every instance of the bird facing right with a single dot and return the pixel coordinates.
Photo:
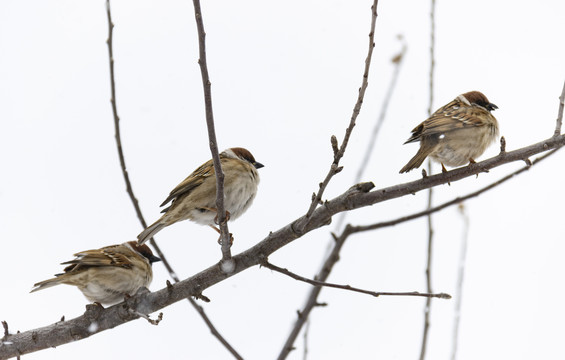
(457, 133)
(195, 198)
(108, 274)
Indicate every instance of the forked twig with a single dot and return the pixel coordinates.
(340, 151)
(299, 226)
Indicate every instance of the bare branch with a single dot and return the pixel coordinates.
(225, 236)
(146, 302)
(460, 279)
(457, 200)
(131, 194)
(360, 194)
(397, 61)
(428, 305)
(213, 329)
(312, 301)
(334, 168)
(118, 138)
(350, 288)
(559, 120)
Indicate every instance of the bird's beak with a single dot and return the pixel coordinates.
(491, 107)
(258, 165)
(154, 258)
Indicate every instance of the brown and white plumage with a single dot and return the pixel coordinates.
(195, 197)
(106, 275)
(457, 133)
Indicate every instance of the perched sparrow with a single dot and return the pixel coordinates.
(106, 275)
(457, 133)
(195, 198)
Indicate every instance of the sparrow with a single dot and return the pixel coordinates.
(195, 198)
(108, 274)
(457, 133)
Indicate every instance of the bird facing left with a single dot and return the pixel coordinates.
(108, 274)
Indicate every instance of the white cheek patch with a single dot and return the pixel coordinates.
(442, 136)
(464, 100)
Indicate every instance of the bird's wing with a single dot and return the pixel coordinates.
(191, 182)
(442, 120)
(107, 256)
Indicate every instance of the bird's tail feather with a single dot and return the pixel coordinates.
(45, 284)
(148, 233)
(416, 161)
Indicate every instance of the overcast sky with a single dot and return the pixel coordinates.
(285, 77)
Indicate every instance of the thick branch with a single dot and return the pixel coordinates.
(457, 200)
(356, 197)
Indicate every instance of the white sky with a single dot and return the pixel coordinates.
(284, 79)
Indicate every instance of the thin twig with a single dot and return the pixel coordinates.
(338, 153)
(313, 297)
(559, 120)
(132, 196)
(397, 62)
(335, 168)
(118, 138)
(225, 236)
(460, 279)
(428, 305)
(213, 329)
(351, 288)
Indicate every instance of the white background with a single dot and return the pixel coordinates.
(284, 77)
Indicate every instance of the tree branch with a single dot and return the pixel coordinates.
(460, 280)
(118, 138)
(225, 236)
(559, 120)
(132, 196)
(339, 152)
(397, 61)
(428, 305)
(457, 200)
(334, 169)
(146, 302)
(350, 288)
